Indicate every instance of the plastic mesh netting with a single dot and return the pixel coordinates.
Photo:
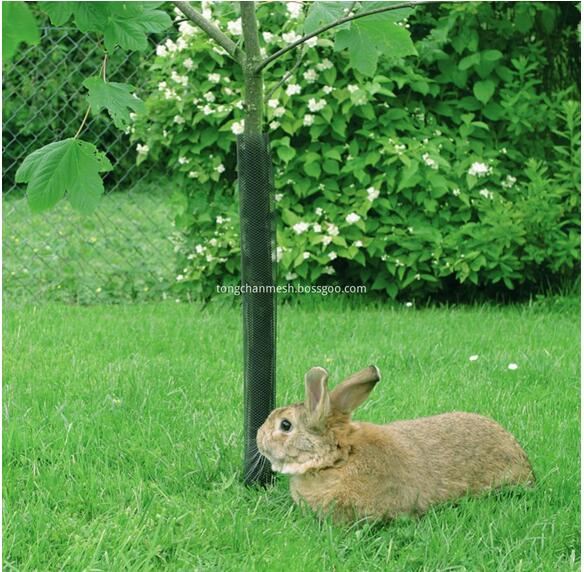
(258, 271)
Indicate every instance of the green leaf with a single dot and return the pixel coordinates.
(322, 13)
(71, 166)
(286, 153)
(124, 24)
(91, 16)
(115, 97)
(312, 170)
(483, 90)
(58, 12)
(491, 55)
(18, 26)
(369, 37)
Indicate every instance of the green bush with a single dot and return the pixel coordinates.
(459, 166)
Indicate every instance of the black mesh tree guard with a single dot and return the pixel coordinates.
(258, 270)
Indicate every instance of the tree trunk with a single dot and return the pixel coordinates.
(257, 260)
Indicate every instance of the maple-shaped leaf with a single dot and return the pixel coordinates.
(370, 36)
(70, 166)
(117, 98)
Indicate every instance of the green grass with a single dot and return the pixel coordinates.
(121, 252)
(122, 437)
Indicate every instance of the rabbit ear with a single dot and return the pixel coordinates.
(349, 394)
(317, 400)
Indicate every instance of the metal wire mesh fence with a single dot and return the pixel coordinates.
(124, 251)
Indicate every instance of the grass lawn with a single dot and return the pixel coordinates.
(122, 437)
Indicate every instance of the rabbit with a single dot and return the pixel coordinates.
(360, 470)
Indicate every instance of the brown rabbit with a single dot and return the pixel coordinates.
(358, 469)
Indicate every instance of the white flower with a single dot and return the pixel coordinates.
(180, 278)
(279, 111)
(162, 85)
(239, 104)
(429, 161)
(274, 125)
(220, 220)
(314, 105)
(183, 160)
(199, 248)
(306, 255)
(268, 36)
(310, 76)
(324, 65)
(326, 239)
(209, 258)
(273, 103)
(479, 169)
(332, 255)
(279, 253)
(486, 193)
(409, 304)
(213, 242)
(293, 89)
(473, 358)
(171, 94)
(193, 174)
(372, 194)
(509, 181)
(456, 192)
(238, 127)
(328, 270)
(308, 119)
(170, 46)
(316, 227)
(220, 168)
(142, 149)
(210, 97)
(207, 110)
(181, 44)
(213, 78)
(182, 79)
(352, 218)
(333, 229)
(294, 9)
(161, 51)
(179, 120)
(358, 244)
(352, 88)
(278, 197)
(328, 89)
(318, 211)
(512, 366)
(290, 37)
(311, 42)
(187, 29)
(291, 276)
(504, 150)
(301, 227)
(234, 27)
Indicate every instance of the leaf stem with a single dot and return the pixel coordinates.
(334, 24)
(84, 120)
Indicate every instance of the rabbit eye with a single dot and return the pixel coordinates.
(285, 425)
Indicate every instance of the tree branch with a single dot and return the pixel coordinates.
(210, 29)
(334, 24)
(287, 75)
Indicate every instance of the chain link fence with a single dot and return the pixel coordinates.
(124, 251)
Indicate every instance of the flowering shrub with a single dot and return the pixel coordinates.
(455, 166)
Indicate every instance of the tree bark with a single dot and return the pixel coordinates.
(254, 87)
